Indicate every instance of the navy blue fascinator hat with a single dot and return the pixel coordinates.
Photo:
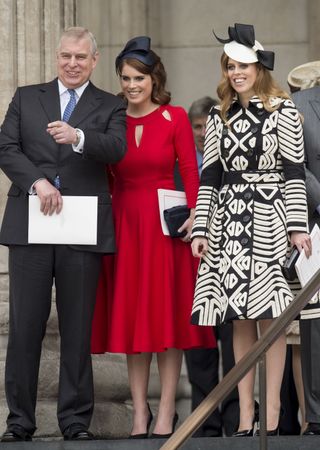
(137, 48)
(242, 46)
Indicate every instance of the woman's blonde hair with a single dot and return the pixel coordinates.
(265, 87)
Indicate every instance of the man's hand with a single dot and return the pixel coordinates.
(62, 133)
(50, 197)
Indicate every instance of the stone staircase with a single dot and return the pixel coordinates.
(112, 414)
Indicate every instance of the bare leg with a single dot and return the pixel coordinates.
(169, 364)
(244, 336)
(138, 372)
(297, 375)
(275, 360)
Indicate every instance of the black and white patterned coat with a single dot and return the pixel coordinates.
(252, 195)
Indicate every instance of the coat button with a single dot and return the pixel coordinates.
(246, 218)
(260, 112)
(250, 152)
(225, 131)
(225, 153)
(244, 241)
(247, 195)
(254, 130)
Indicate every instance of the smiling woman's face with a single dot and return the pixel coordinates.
(135, 85)
(242, 77)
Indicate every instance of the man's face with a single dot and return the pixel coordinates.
(75, 61)
(199, 130)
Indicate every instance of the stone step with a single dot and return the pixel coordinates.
(274, 443)
(110, 378)
(110, 419)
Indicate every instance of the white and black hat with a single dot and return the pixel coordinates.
(242, 46)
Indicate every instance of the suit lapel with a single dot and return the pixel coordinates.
(50, 100)
(89, 101)
(315, 105)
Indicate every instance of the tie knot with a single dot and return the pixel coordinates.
(72, 93)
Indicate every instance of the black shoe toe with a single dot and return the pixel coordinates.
(313, 429)
(77, 432)
(16, 434)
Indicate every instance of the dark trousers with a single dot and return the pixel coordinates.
(203, 372)
(32, 269)
(289, 423)
(310, 361)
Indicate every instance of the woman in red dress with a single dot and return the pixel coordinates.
(154, 276)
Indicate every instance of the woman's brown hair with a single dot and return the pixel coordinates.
(159, 94)
(265, 88)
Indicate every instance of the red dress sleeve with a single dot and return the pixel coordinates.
(186, 153)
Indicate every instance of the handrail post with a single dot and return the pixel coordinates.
(263, 404)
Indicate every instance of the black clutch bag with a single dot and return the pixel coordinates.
(175, 217)
(288, 269)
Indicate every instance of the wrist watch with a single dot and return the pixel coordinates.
(78, 136)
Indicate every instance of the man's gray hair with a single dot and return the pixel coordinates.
(80, 33)
(201, 107)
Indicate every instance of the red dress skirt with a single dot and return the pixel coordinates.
(145, 291)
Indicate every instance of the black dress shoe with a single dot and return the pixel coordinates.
(313, 429)
(167, 435)
(77, 432)
(16, 433)
(144, 435)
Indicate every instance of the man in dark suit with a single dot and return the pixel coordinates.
(55, 140)
(305, 80)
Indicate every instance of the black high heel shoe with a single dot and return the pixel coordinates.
(167, 435)
(274, 432)
(249, 433)
(144, 435)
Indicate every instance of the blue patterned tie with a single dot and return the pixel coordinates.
(70, 106)
(66, 116)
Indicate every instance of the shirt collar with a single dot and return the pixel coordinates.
(79, 90)
(254, 103)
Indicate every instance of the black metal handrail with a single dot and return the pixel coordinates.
(230, 381)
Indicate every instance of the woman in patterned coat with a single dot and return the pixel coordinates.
(251, 206)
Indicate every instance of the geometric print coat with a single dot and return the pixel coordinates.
(252, 195)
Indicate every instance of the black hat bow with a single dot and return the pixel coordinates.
(244, 34)
(137, 48)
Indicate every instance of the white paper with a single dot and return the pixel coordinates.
(75, 224)
(167, 199)
(307, 267)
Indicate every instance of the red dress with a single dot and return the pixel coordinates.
(147, 307)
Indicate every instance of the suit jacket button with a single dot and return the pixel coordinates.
(246, 218)
(250, 152)
(244, 241)
(254, 130)
(247, 195)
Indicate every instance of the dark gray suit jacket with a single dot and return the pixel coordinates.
(308, 103)
(28, 152)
